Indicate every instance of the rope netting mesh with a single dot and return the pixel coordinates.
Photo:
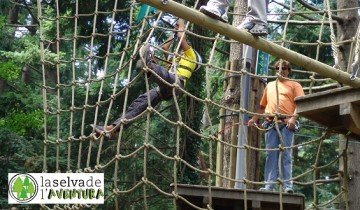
(76, 142)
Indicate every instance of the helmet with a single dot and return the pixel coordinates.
(169, 20)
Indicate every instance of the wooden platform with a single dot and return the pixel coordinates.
(338, 109)
(233, 199)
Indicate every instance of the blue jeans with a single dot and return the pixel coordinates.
(272, 141)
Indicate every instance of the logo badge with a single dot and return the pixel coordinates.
(23, 188)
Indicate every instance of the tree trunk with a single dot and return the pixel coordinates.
(25, 75)
(50, 72)
(346, 29)
(348, 167)
(254, 135)
(13, 16)
(231, 98)
(2, 85)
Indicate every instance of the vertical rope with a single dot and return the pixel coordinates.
(312, 77)
(315, 171)
(118, 145)
(111, 32)
(73, 85)
(334, 46)
(91, 56)
(355, 65)
(58, 137)
(45, 106)
(208, 98)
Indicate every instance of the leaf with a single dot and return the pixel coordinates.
(9, 71)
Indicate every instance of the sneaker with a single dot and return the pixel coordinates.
(146, 55)
(99, 129)
(255, 29)
(216, 11)
(288, 190)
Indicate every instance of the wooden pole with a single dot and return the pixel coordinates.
(243, 36)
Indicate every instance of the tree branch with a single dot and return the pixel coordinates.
(30, 12)
(310, 7)
(288, 8)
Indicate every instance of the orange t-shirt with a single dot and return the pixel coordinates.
(288, 91)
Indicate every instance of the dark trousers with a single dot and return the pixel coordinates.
(157, 94)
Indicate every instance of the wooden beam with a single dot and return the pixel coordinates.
(326, 99)
(352, 110)
(350, 117)
(231, 197)
(245, 37)
(256, 205)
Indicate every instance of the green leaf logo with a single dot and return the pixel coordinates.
(23, 187)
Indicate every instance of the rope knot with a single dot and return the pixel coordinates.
(147, 145)
(281, 148)
(177, 158)
(245, 181)
(180, 123)
(124, 121)
(214, 138)
(150, 109)
(116, 191)
(207, 100)
(145, 180)
(118, 157)
(98, 167)
(176, 196)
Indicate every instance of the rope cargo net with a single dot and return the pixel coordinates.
(100, 85)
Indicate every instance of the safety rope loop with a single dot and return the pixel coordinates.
(355, 65)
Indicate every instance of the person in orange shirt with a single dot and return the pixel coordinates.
(278, 98)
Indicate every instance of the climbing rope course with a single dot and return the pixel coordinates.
(102, 79)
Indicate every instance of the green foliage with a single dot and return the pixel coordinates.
(21, 113)
(18, 155)
(29, 52)
(20, 122)
(2, 22)
(9, 71)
